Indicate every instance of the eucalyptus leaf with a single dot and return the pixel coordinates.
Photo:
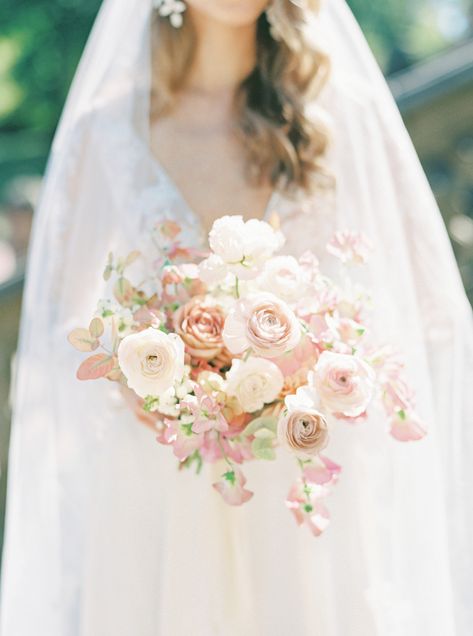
(262, 448)
(97, 366)
(132, 256)
(96, 327)
(82, 340)
(124, 291)
(269, 422)
(264, 433)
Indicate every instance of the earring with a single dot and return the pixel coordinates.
(172, 9)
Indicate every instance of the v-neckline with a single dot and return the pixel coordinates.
(270, 206)
(163, 175)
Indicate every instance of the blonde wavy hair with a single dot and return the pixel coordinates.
(284, 146)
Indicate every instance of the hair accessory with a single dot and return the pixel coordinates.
(172, 9)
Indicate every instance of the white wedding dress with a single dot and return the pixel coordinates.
(104, 536)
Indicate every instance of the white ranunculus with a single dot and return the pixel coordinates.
(151, 361)
(243, 246)
(226, 238)
(254, 382)
(212, 270)
(284, 277)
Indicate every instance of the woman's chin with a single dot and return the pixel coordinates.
(235, 13)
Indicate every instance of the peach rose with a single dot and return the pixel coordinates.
(200, 325)
(263, 323)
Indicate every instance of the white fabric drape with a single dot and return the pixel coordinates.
(103, 536)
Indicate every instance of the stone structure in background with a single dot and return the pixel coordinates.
(436, 101)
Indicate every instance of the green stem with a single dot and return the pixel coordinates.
(304, 481)
(237, 287)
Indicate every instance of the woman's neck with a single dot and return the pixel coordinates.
(224, 55)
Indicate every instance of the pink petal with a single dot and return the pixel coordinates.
(408, 429)
(322, 473)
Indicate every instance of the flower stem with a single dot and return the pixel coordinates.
(224, 455)
(237, 287)
(304, 480)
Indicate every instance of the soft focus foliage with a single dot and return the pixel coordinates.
(40, 44)
(402, 32)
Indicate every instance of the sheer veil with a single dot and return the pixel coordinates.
(404, 532)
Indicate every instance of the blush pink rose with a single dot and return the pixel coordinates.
(344, 383)
(263, 323)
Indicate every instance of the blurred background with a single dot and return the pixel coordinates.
(425, 48)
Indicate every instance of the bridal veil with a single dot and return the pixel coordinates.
(410, 525)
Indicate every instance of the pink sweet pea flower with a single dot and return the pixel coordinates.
(231, 487)
(350, 246)
(407, 426)
(308, 508)
(397, 395)
(180, 436)
(322, 471)
(206, 411)
(211, 449)
(358, 419)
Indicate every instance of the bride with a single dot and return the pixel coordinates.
(190, 110)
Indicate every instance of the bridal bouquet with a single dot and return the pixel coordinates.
(230, 356)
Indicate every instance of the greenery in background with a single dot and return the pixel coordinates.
(40, 45)
(402, 32)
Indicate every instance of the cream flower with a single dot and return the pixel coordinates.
(344, 382)
(151, 361)
(284, 277)
(212, 270)
(302, 427)
(254, 382)
(262, 323)
(242, 247)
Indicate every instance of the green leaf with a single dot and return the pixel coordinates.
(150, 403)
(262, 447)
(107, 272)
(269, 422)
(265, 433)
